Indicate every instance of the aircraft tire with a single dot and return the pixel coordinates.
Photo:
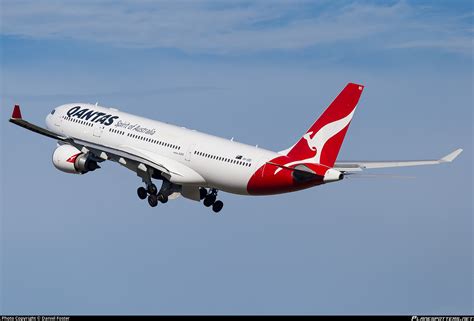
(209, 200)
(163, 198)
(217, 206)
(153, 200)
(142, 193)
(152, 189)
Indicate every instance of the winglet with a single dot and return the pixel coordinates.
(16, 112)
(450, 157)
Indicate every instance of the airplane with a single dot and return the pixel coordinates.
(196, 165)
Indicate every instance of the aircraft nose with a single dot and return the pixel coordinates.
(52, 119)
(49, 121)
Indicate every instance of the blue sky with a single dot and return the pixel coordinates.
(260, 72)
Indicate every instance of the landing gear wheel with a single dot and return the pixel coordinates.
(152, 189)
(142, 193)
(202, 193)
(209, 200)
(153, 200)
(163, 198)
(217, 206)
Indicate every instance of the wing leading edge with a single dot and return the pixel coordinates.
(355, 166)
(19, 121)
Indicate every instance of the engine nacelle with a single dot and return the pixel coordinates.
(71, 160)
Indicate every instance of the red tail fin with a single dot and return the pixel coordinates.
(322, 142)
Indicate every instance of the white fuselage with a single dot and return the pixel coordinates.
(222, 163)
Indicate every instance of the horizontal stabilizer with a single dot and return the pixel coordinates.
(354, 166)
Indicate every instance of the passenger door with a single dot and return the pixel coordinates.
(190, 152)
(98, 129)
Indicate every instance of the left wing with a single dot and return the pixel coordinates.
(170, 169)
(17, 120)
(355, 166)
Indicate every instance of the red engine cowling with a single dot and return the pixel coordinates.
(71, 160)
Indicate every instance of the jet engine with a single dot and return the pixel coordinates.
(71, 160)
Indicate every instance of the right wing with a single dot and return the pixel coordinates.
(355, 166)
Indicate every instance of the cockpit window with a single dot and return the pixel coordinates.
(52, 112)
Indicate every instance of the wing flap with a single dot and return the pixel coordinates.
(178, 172)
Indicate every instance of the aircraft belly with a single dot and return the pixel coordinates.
(228, 180)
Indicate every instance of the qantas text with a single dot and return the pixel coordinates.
(91, 115)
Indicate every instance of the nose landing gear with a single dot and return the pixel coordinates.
(217, 206)
(210, 199)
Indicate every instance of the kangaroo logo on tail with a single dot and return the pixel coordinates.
(311, 143)
(322, 142)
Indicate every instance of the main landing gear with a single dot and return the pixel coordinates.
(210, 199)
(155, 196)
(152, 193)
